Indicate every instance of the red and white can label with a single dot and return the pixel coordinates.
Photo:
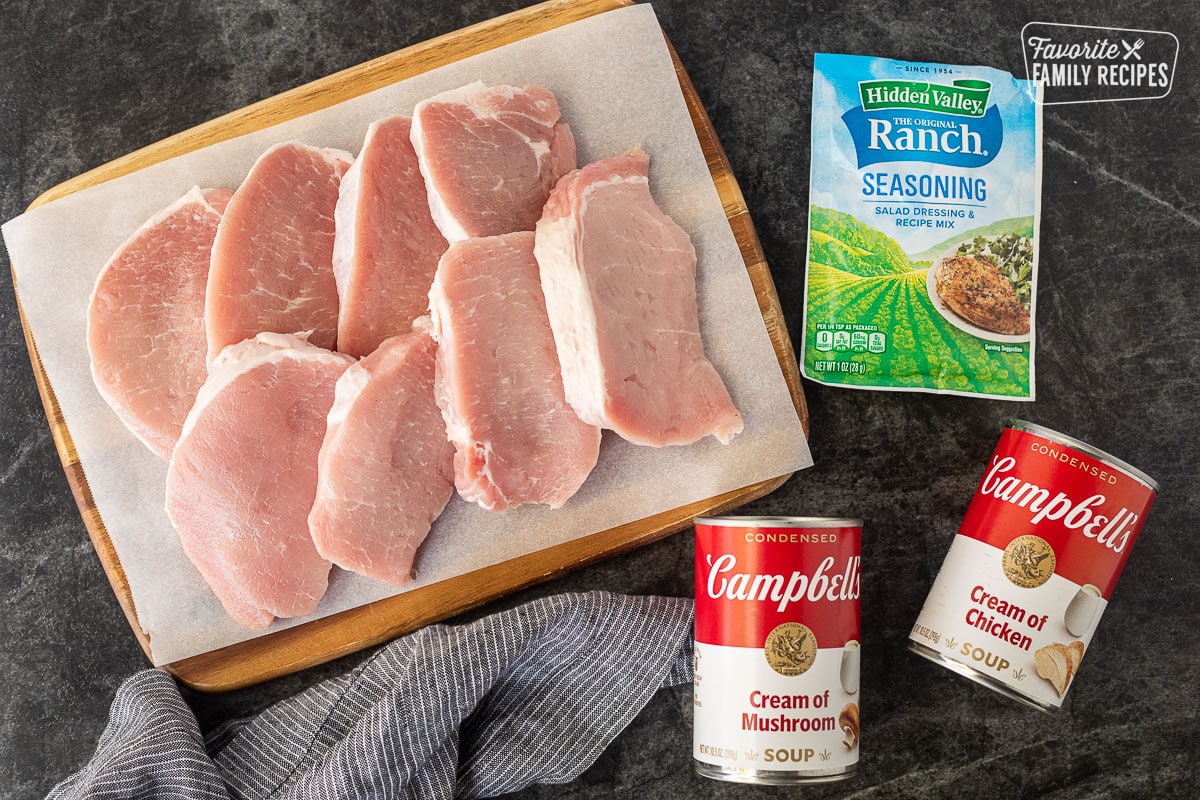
(777, 647)
(1033, 565)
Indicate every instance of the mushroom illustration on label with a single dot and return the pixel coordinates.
(1082, 610)
(848, 720)
(850, 660)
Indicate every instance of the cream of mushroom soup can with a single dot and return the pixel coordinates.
(1033, 565)
(776, 691)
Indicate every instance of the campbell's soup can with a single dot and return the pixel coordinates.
(777, 649)
(1033, 565)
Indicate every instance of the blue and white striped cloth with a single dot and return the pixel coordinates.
(529, 695)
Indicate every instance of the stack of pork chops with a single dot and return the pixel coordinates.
(331, 351)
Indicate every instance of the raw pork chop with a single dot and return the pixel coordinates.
(619, 278)
(272, 260)
(490, 156)
(386, 248)
(244, 475)
(146, 319)
(516, 440)
(385, 470)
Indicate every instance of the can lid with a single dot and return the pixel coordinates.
(1084, 447)
(781, 522)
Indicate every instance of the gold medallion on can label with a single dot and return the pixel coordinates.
(791, 648)
(1028, 561)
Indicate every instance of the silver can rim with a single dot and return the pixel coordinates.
(986, 681)
(780, 522)
(773, 778)
(1086, 449)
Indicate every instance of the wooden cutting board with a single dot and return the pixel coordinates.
(325, 639)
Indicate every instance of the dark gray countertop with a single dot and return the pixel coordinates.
(1117, 361)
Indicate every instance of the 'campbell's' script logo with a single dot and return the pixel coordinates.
(823, 584)
(1077, 515)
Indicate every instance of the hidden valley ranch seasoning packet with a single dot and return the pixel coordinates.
(923, 219)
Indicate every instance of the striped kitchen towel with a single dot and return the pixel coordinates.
(529, 695)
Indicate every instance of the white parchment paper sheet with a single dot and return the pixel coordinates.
(617, 87)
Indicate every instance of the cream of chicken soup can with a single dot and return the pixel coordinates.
(1033, 565)
(776, 692)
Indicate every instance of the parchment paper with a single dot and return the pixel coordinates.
(617, 87)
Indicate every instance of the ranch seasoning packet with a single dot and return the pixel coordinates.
(922, 232)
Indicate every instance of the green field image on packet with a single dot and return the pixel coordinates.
(922, 233)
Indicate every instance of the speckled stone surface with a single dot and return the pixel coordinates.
(1118, 355)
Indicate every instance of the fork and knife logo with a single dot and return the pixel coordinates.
(1132, 50)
